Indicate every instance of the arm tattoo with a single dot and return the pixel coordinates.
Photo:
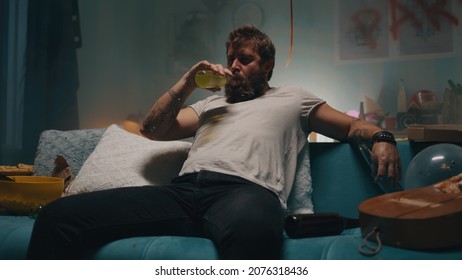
(163, 115)
(361, 134)
(358, 136)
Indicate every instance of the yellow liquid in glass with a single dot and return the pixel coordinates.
(207, 79)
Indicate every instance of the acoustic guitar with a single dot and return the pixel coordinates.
(424, 218)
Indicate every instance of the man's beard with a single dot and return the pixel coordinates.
(240, 89)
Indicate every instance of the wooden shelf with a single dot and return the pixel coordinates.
(436, 133)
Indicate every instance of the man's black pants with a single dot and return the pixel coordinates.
(244, 220)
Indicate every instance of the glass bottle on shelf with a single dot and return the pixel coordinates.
(362, 115)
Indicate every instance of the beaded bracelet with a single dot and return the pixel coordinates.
(384, 136)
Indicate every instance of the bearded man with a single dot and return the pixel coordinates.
(234, 185)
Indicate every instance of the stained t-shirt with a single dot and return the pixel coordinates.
(257, 140)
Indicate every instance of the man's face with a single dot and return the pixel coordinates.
(249, 80)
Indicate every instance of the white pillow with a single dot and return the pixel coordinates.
(122, 159)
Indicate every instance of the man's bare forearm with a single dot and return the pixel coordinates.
(162, 114)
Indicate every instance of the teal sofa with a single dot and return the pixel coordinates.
(341, 181)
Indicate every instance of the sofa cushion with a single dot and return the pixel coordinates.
(123, 159)
(311, 248)
(346, 248)
(74, 145)
(15, 232)
(157, 248)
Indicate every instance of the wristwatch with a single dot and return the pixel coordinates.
(384, 136)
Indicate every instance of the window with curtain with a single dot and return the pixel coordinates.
(39, 73)
(13, 28)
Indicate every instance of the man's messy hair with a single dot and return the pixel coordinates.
(249, 33)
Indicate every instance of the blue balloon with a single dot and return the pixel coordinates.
(433, 165)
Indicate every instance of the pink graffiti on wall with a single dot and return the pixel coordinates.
(433, 12)
(367, 20)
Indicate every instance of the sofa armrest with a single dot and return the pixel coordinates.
(341, 178)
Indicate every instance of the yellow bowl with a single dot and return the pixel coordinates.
(27, 194)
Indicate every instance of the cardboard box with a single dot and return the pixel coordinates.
(435, 133)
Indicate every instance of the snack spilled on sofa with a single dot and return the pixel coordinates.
(20, 169)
